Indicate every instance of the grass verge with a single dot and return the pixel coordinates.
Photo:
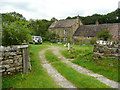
(83, 56)
(76, 50)
(50, 56)
(101, 66)
(37, 78)
(78, 79)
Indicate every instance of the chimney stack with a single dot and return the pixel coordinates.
(97, 23)
(78, 20)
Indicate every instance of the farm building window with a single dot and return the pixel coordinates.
(86, 37)
(58, 39)
(65, 39)
(65, 32)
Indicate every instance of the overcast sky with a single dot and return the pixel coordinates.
(60, 9)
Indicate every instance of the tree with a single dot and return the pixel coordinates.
(52, 37)
(54, 19)
(68, 17)
(107, 18)
(11, 17)
(104, 34)
(39, 27)
(15, 29)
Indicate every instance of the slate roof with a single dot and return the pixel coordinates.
(63, 23)
(92, 30)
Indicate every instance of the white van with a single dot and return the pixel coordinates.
(37, 40)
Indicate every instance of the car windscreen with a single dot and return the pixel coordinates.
(37, 37)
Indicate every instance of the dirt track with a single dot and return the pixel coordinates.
(62, 81)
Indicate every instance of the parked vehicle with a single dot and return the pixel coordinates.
(36, 40)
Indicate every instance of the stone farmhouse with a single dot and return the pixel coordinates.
(88, 32)
(65, 28)
(73, 29)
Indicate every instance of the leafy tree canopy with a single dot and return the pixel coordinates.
(15, 29)
(108, 18)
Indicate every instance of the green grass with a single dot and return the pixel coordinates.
(79, 80)
(54, 44)
(101, 66)
(76, 51)
(37, 78)
(67, 55)
(83, 56)
(50, 56)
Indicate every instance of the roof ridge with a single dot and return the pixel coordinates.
(63, 23)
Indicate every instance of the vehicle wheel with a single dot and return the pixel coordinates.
(34, 43)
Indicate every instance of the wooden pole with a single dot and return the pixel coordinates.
(68, 46)
(24, 60)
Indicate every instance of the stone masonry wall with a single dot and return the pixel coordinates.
(106, 49)
(11, 60)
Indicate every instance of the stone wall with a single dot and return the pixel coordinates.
(106, 49)
(11, 59)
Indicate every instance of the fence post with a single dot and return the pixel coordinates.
(27, 59)
(24, 66)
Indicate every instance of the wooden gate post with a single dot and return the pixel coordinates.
(27, 59)
(24, 71)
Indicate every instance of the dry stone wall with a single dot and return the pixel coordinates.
(11, 60)
(106, 49)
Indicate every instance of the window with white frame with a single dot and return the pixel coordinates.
(86, 37)
(58, 39)
(65, 31)
(65, 39)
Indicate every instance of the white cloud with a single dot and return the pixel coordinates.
(119, 4)
(46, 9)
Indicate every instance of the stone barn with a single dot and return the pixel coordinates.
(88, 32)
(65, 28)
(74, 30)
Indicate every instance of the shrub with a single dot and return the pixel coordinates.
(51, 37)
(93, 41)
(69, 41)
(61, 39)
(15, 33)
(104, 34)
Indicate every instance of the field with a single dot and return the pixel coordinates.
(79, 80)
(37, 78)
(83, 56)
